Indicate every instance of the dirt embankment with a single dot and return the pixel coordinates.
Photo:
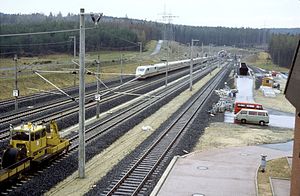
(220, 135)
(279, 102)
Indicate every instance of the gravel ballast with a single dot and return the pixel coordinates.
(57, 172)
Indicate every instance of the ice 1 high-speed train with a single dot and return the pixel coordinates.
(146, 71)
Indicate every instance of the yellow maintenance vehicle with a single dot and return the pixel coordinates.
(29, 144)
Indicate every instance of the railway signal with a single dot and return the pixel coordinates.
(16, 90)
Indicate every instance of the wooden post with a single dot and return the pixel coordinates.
(292, 93)
(295, 180)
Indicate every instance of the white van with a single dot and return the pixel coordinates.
(260, 117)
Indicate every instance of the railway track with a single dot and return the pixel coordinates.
(45, 114)
(5, 119)
(112, 121)
(67, 110)
(118, 118)
(134, 179)
(26, 103)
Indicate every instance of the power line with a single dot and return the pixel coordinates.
(61, 31)
(46, 32)
(123, 39)
(7, 53)
(115, 48)
(38, 44)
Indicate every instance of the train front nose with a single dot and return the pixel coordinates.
(139, 72)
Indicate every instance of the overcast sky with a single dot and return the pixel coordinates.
(229, 13)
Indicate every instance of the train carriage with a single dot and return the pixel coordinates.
(146, 71)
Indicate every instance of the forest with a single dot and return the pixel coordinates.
(282, 48)
(124, 34)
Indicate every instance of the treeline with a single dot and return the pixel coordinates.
(106, 35)
(282, 48)
(112, 34)
(239, 37)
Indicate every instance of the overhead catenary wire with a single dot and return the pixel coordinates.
(117, 48)
(63, 72)
(123, 39)
(113, 74)
(43, 91)
(95, 75)
(44, 32)
(63, 92)
(111, 90)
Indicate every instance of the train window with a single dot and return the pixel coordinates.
(43, 132)
(32, 137)
(147, 69)
(37, 135)
(141, 69)
(21, 136)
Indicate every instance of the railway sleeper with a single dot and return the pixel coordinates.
(126, 189)
(132, 181)
(138, 176)
(120, 193)
(135, 178)
(128, 184)
(151, 159)
(145, 165)
(139, 172)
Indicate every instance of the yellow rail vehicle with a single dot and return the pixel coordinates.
(30, 143)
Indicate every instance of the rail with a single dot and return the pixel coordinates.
(132, 182)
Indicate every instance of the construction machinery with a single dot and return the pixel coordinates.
(29, 144)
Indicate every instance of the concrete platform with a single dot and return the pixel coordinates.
(280, 187)
(228, 171)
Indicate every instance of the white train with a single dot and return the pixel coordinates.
(146, 71)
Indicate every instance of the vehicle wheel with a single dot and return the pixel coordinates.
(243, 121)
(262, 123)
